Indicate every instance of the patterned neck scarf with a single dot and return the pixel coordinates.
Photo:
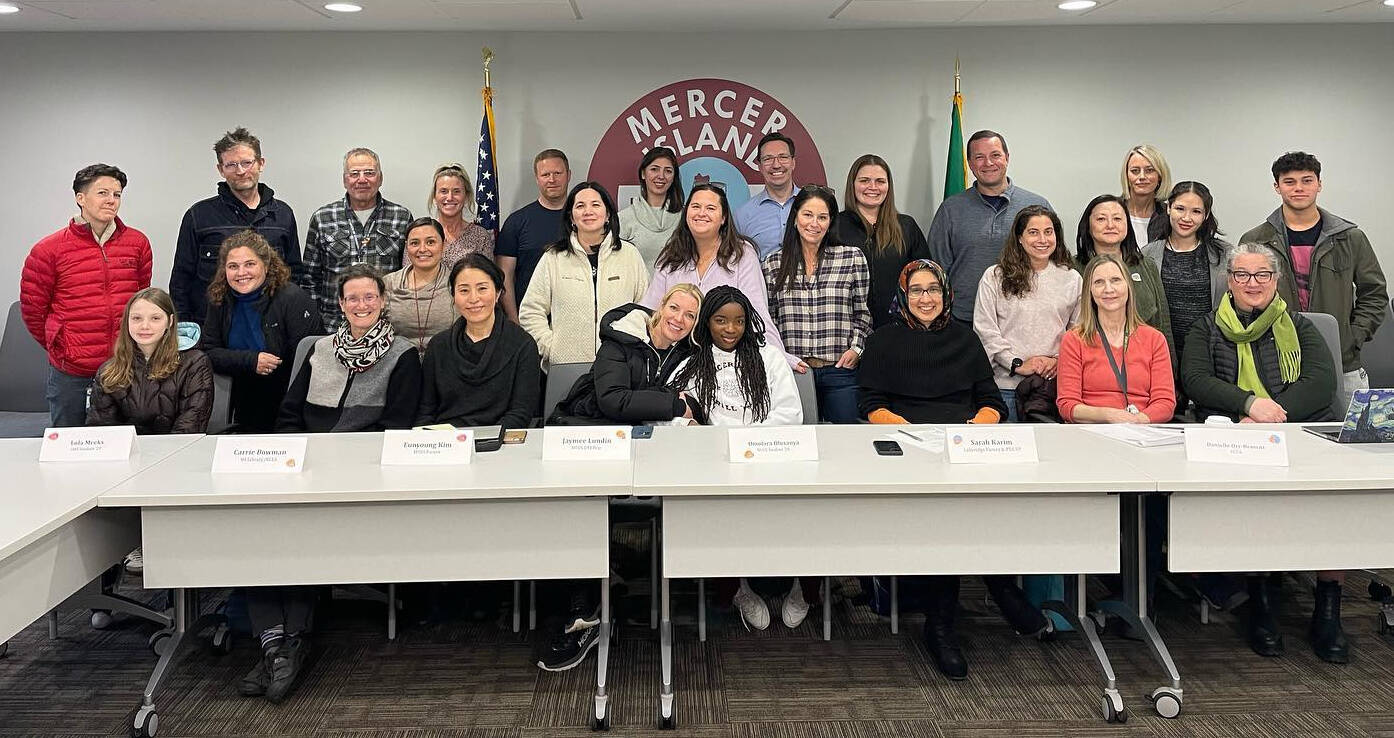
(901, 301)
(360, 354)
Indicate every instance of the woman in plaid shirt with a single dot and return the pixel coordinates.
(818, 291)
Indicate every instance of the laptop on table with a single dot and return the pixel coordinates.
(1369, 419)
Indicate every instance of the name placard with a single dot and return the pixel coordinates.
(1233, 445)
(97, 443)
(263, 454)
(990, 444)
(780, 443)
(586, 443)
(427, 447)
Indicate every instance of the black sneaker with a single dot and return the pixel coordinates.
(584, 612)
(284, 667)
(566, 650)
(256, 681)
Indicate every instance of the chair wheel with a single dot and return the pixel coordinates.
(1114, 712)
(159, 641)
(146, 723)
(1166, 701)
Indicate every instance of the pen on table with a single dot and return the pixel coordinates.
(912, 435)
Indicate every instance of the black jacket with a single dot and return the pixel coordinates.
(494, 382)
(627, 383)
(206, 224)
(1210, 368)
(287, 316)
(179, 403)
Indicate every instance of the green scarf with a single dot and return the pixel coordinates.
(1274, 317)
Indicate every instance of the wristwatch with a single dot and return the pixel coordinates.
(1016, 364)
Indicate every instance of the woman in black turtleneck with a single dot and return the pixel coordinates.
(484, 369)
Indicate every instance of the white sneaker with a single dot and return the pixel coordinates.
(754, 613)
(135, 562)
(795, 609)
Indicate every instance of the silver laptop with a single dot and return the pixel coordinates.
(1369, 419)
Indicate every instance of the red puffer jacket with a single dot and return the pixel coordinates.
(73, 291)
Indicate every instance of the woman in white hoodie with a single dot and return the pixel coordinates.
(651, 218)
(735, 377)
(580, 278)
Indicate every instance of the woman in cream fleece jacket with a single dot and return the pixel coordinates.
(580, 278)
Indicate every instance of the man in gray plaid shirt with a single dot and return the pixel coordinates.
(360, 228)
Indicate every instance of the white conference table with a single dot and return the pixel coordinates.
(853, 512)
(1331, 508)
(347, 519)
(53, 540)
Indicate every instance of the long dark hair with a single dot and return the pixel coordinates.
(1208, 234)
(681, 248)
(1013, 262)
(700, 370)
(886, 234)
(672, 202)
(791, 250)
(1084, 239)
(568, 227)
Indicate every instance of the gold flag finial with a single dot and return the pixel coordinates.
(488, 55)
(956, 90)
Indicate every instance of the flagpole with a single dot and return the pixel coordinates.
(488, 55)
(956, 90)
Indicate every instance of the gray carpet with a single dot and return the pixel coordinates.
(476, 680)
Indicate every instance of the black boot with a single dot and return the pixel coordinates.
(940, 635)
(1328, 640)
(1264, 637)
(1024, 617)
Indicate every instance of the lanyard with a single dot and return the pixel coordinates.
(1119, 373)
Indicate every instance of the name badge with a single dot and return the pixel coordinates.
(586, 443)
(991, 444)
(263, 454)
(430, 447)
(1236, 446)
(789, 443)
(97, 443)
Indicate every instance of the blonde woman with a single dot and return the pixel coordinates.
(450, 200)
(1146, 180)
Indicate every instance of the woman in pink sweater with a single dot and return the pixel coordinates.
(1113, 367)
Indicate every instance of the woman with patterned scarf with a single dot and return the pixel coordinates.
(1255, 362)
(360, 378)
(924, 367)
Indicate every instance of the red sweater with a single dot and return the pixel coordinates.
(73, 291)
(1086, 378)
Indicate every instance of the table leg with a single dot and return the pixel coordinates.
(653, 573)
(895, 605)
(1074, 613)
(391, 612)
(702, 610)
(517, 605)
(532, 605)
(1166, 699)
(827, 608)
(665, 656)
(600, 719)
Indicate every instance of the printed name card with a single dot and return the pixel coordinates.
(788, 443)
(586, 443)
(264, 454)
(427, 447)
(1235, 446)
(990, 444)
(97, 443)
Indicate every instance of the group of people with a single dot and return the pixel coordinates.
(690, 313)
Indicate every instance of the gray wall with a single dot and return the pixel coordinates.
(1220, 101)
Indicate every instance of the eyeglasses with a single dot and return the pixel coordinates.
(368, 300)
(916, 293)
(239, 166)
(776, 159)
(1263, 277)
(356, 173)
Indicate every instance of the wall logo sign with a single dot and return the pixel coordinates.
(713, 125)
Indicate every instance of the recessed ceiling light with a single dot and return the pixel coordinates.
(1077, 4)
(343, 7)
(7, 8)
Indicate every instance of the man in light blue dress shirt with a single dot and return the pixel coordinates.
(761, 219)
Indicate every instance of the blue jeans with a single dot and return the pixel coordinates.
(1009, 397)
(837, 394)
(67, 398)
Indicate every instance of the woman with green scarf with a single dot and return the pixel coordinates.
(1256, 362)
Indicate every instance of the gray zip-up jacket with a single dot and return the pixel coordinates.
(967, 235)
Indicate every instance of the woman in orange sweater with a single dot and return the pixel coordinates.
(1113, 367)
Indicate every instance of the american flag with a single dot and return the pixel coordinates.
(486, 181)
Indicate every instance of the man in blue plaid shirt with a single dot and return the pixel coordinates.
(360, 228)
